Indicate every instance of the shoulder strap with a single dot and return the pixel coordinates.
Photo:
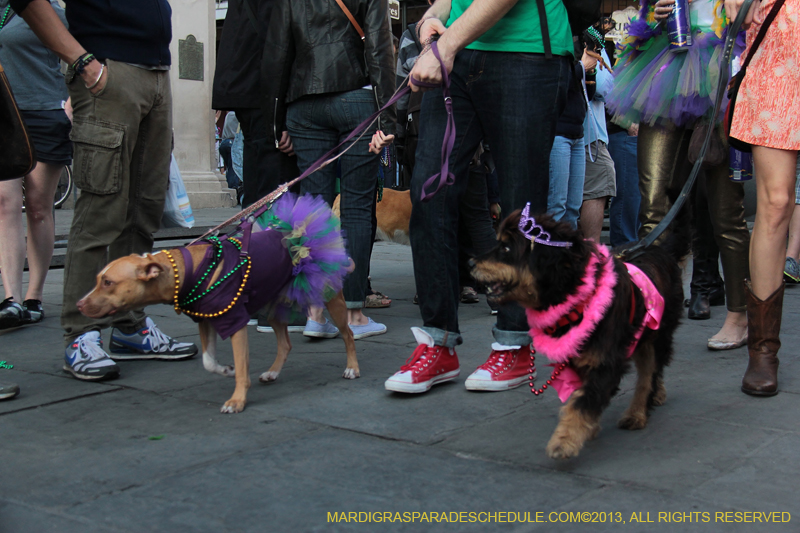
(762, 32)
(352, 18)
(548, 51)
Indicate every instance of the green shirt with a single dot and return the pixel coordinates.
(519, 30)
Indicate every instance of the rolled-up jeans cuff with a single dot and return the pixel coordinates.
(511, 338)
(448, 339)
(355, 305)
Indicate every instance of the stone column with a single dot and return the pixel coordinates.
(192, 74)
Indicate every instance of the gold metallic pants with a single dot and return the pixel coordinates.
(663, 170)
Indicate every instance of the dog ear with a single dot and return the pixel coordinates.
(150, 271)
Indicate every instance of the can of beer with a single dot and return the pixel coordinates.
(741, 168)
(679, 27)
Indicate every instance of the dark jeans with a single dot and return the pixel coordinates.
(225, 154)
(316, 125)
(476, 234)
(264, 166)
(513, 102)
(624, 212)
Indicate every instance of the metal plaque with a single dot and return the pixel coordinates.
(190, 59)
(394, 9)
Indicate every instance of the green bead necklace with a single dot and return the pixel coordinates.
(5, 17)
(211, 266)
(218, 245)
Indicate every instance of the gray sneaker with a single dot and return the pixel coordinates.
(149, 343)
(85, 358)
(791, 271)
(8, 391)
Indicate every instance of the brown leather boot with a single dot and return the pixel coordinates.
(763, 342)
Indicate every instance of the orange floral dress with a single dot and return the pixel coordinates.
(768, 105)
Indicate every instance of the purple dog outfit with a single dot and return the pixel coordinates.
(297, 260)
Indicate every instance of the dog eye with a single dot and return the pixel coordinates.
(506, 249)
(107, 283)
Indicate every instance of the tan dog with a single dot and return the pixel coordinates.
(139, 280)
(393, 213)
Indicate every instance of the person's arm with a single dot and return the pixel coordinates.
(276, 70)
(45, 23)
(379, 55)
(474, 22)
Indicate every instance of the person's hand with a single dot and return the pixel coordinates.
(285, 144)
(428, 69)
(633, 130)
(732, 8)
(429, 28)
(90, 74)
(494, 211)
(68, 108)
(664, 8)
(379, 141)
(589, 61)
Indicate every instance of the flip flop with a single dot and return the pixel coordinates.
(378, 300)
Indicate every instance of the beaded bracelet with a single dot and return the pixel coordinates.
(80, 64)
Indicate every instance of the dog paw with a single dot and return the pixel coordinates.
(562, 449)
(632, 421)
(268, 377)
(351, 373)
(233, 406)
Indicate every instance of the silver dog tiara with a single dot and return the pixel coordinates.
(534, 232)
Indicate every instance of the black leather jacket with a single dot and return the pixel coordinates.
(312, 48)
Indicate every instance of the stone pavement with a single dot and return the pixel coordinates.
(151, 451)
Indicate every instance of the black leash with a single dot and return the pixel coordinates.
(724, 74)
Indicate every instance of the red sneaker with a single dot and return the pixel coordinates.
(504, 370)
(427, 366)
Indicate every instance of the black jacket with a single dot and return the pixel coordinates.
(237, 79)
(570, 123)
(121, 30)
(312, 48)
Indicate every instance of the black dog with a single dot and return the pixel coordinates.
(546, 278)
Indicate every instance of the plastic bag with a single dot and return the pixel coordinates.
(177, 210)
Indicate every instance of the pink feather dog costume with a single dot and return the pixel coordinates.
(583, 310)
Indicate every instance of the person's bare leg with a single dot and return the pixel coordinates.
(40, 188)
(734, 329)
(591, 222)
(775, 181)
(12, 243)
(315, 314)
(793, 248)
(355, 317)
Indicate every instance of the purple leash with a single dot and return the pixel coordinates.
(444, 177)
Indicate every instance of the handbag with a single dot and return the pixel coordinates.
(17, 154)
(736, 82)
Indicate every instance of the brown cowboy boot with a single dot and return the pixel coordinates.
(763, 342)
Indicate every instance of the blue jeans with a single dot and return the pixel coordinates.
(624, 212)
(317, 124)
(567, 172)
(225, 153)
(512, 101)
